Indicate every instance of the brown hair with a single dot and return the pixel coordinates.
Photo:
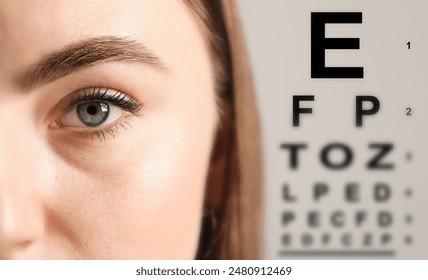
(233, 196)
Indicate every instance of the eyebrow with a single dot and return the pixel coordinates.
(84, 54)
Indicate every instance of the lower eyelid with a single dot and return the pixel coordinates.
(124, 124)
(112, 131)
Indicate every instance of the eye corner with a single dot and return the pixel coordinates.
(54, 124)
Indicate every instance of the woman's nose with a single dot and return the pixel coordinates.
(21, 222)
(21, 216)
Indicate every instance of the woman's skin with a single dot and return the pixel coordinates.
(131, 187)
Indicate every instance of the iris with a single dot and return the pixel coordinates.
(93, 113)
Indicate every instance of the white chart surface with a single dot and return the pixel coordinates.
(313, 210)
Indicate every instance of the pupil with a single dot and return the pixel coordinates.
(92, 110)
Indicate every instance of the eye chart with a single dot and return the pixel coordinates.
(343, 90)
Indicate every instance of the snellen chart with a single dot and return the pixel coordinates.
(343, 106)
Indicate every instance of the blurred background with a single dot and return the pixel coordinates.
(350, 180)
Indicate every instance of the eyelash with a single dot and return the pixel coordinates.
(102, 132)
(94, 94)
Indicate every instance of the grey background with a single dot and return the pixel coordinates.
(278, 36)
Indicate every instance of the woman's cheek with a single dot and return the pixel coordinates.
(139, 195)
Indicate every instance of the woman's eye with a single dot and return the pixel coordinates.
(95, 108)
(92, 114)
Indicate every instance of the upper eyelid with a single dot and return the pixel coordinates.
(76, 98)
(101, 94)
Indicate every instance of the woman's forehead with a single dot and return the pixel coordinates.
(30, 30)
